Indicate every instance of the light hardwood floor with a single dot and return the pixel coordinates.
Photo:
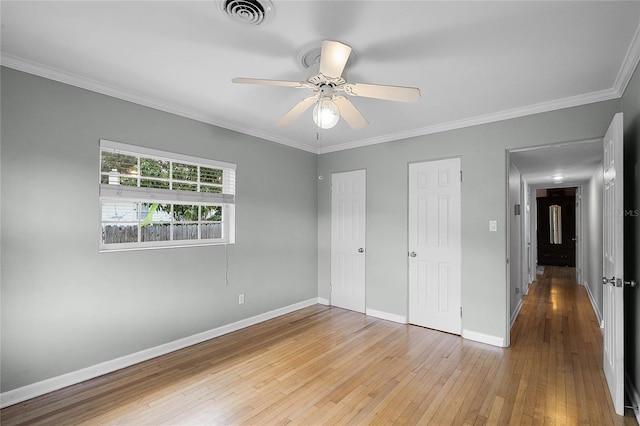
(324, 365)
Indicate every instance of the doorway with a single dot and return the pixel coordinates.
(556, 227)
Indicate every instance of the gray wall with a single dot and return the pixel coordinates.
(631, 110)
(592, 237)
(482, 149)
(64, 305)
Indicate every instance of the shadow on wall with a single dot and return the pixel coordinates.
(631, 244)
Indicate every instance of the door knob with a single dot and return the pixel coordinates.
(632, 283)
(413, 254)
(606, 281)
(361, 250)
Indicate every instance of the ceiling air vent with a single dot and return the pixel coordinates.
(248, 12)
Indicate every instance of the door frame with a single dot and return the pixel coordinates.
(580, 247)
(508, 214)
(579, 231)
(510, 217)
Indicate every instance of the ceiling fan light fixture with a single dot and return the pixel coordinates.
(326, 75)
(326, 113)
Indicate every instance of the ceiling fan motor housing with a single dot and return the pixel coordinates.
(314, 76)
(326, 91)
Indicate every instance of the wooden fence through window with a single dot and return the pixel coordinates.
(114, 234)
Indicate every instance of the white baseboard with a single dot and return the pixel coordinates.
(386, 316)
(323, 301)
(515, 313)
(633, 396)
(593, 304)
(483, 338)
(467, 334)
(49, 385)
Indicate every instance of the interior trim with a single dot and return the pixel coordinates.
(483, 338)
(593, 304)
(401, 319)
(629, 64)
(33, 390)
(516, 312)
(65, 77)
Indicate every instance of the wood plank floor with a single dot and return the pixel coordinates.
(324, 365)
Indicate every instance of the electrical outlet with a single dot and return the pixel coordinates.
(493, 226)
(240, 298)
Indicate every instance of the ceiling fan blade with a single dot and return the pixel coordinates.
(333, 58)
(282, 83)
(378, 91)
(297, 111)
(350, 114)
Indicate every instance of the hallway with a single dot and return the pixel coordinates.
(557, 342)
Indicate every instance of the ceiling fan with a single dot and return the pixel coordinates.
(327, 80)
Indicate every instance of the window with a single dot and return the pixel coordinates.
(157, 199)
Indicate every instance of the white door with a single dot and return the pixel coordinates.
(613, 280)
(348, 202)
(435, 245)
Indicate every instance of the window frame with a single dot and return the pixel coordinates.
(117, 193)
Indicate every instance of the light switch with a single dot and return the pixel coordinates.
(493, 226)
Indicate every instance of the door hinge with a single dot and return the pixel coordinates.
(460, 311)
(460, 175)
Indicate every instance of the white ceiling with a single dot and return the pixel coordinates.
(575, 162)
(475, 62)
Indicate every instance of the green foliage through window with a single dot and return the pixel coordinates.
(156, 199)
(130, 170)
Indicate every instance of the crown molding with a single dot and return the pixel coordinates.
(631, 60)
(630, 63)
(66, 77)
(603, 95)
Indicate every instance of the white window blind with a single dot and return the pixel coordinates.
(155, 199)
